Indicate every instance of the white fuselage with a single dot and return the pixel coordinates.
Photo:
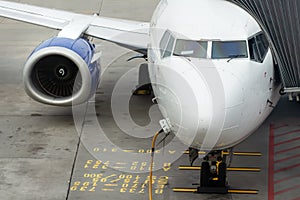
(205, 73)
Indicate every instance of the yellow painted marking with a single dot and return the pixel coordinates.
(189, 168)
(172, 152)
(229, 191)
(142, 191)
(247, 154)
(96, 149)
(107, 190)
(244, 153)
(129, 151)
(163, 180)
(234, 153)
(248, 169)
(92, 189)
(184, 190)
(111, 176)
(111, 185)
(167, 167)
(113, 181)
(243, 191)
(73, 188)
(200, 152)
(120, 163)
(119, 167)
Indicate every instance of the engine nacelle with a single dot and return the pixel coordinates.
(62, 72)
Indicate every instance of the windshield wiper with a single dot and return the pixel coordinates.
(235, 56)
(182, 55)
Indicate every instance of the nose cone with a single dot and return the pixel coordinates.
(189, 102)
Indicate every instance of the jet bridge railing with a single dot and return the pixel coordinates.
(280, 20)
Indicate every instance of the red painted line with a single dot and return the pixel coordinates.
(287, 158)
(287, 133)
(287, 190)
(287, 168)
(278, 127)
(287, 141)
(271, 164)
(286, 150)
(286, 179)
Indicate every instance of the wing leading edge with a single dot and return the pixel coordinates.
(131, 34)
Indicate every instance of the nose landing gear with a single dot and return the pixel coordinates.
(213, 174)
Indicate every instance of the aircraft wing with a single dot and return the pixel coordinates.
(131, 34)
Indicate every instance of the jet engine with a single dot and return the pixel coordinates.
(62, 72)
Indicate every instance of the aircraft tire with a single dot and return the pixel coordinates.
(205, 174)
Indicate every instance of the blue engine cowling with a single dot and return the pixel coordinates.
(62, 72)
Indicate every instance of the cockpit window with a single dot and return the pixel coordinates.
(164, 41)
(258, 47)
(229, 49)
(166, 44)
(190, 48)
(169, 47)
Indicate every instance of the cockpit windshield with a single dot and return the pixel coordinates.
(190, 48)
(229, 49)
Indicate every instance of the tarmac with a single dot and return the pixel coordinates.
(58, 153)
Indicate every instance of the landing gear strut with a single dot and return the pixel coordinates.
(144, 86)
(213, 179)
(213, 174)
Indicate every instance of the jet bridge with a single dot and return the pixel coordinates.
(280, 19)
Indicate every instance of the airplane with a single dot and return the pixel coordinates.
(211, 68)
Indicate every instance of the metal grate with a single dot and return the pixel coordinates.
(280, 19)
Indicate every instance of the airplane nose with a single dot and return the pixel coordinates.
(196, 107)
(191, 104)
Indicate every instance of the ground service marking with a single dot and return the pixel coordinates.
(134, 166)
(147, 151)
(124, 183)
(284, 163)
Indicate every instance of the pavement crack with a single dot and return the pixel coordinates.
(76, 152)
